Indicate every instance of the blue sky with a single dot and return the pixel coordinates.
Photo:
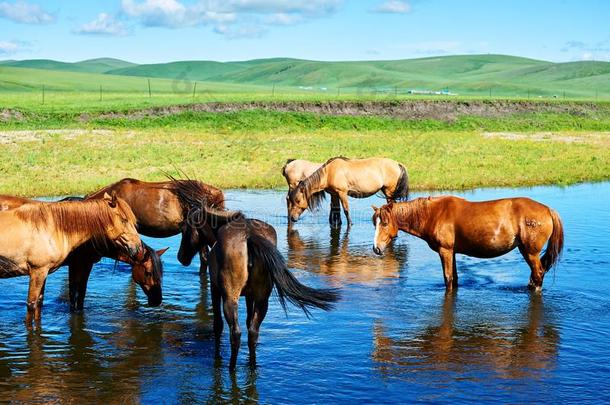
(147, 31)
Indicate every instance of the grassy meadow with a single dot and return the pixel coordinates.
(77, 141)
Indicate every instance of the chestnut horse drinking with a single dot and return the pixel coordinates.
(37, 239)
(484, 229)
(244, 261)
(342, 177)
(146, 271)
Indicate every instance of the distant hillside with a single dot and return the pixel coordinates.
(463, 74)
(100, 65)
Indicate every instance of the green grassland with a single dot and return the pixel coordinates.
(556, 141)
(75, 162)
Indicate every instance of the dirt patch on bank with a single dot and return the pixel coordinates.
(445, 110)
(8, 114)
(37, 135)
(588, 137)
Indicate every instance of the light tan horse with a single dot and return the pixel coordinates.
(295, 171)
(37, 238)
(484, 229)
(342, 177)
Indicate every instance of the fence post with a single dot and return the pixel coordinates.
(194, 91)
(273, 90)
(100, 92)
(149, 92)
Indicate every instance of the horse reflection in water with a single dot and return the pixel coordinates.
(343, 262)
(120, 366)
(513, 352)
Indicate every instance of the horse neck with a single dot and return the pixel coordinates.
(411, 216)
(320, 183)
(72, 226)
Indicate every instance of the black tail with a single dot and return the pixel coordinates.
(286, 285)
(555, 245)
(402, 186)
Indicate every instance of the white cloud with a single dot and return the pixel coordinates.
(104, 24)
(12, 47)
(22, 12)
(599, 50)
(393, 7)
(231, 18)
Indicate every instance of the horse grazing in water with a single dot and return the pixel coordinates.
(342, 177)
(146, 271)
(244, 261)
(484, 229)
(295, 171)
(37, 239)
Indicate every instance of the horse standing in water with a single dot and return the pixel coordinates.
(484, 229)
(295, 171)
(342, 177)
(244, 261)
(160, 212)
(147, 271)
(37, 239)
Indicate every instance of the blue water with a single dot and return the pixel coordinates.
(395, 337)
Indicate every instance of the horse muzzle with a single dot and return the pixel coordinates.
(377, 250)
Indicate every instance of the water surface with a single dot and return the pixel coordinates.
(394, 337)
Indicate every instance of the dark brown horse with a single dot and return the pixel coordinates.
(160, 211)
(484, 229)
(146, 271)
(244, 261)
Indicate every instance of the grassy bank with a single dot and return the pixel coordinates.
(249, 149)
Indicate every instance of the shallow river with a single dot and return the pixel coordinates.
(395, 336)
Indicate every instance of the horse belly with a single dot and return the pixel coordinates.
(486, 243)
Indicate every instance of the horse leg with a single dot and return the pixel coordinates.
(230, 310)
(448, 261)
(260, 311)
(216, 302)
(345, 204)
(203, 259)
(335, 211)
(38, 279)
(537, 271)
(78, 276)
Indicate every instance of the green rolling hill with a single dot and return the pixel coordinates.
(463, 74)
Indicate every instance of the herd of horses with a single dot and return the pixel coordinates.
(240, 253)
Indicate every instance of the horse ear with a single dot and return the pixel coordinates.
(111, 200)
(374, 208)
(161, 251)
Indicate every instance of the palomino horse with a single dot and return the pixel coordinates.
(37, 238)
(295, 171)
(244, 260)
(147, 271)
(342, 177)
(484, 229)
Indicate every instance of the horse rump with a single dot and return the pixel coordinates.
(287, 286)
(401, 193)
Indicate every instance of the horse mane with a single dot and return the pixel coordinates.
(72, 217)
(156, 261)
(194, 194)
(314, 200)
(288, 161)
(413, 213)
(9, 268)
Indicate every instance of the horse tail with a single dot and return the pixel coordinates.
(401, 192)
(555, 245)
(287, 286)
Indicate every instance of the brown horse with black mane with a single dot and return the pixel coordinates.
(244, 261)
(342, 177)
(37, 239)
(484, 229)
(161, 212)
